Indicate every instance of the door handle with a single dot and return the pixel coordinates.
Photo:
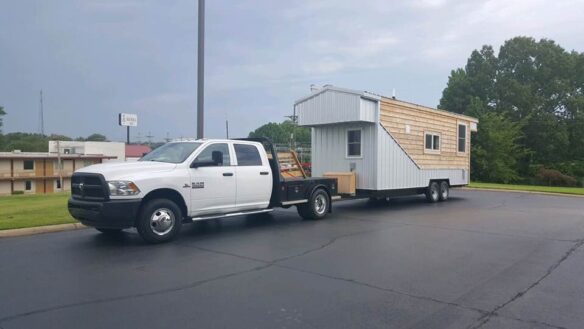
(264, 173)
(227, 174)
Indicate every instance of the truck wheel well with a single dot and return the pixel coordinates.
(170, 194)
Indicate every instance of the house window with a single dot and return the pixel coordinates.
(28, 164)
(87, 163)
(354, 143)
(461, 138)
(432, 142)
(58, 184)
(28, 185)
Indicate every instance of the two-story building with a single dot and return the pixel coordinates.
(39, 172)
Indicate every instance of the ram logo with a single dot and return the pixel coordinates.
(198, 185)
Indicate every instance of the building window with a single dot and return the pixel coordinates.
(28, 185)
(58, 184)
(354, 143)
(28, 164)
(432, 142)
(87, 163)
(461, 138)
(247, 155)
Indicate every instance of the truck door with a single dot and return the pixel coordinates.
(254, 177)
(213, 181)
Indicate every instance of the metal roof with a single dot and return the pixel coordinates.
(363, 94)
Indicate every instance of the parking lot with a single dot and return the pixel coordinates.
(480, 260)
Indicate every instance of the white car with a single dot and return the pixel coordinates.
(193, 180)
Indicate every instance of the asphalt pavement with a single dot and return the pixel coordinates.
(480, 260)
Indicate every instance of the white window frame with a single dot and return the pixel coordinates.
(360, 156)
(466, 135)
(432, 150)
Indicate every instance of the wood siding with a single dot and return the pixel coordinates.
(396, 115)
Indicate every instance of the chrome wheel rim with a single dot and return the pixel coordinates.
(320, 204)
(162, 221)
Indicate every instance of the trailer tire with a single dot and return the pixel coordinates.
(159, 221)
(433, 192)
(317, 207)
(444, 191)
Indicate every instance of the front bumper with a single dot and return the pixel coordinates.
(113, 214)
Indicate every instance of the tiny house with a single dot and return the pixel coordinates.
(391, 146)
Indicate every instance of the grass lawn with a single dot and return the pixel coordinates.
(20, 211)
(548, 189)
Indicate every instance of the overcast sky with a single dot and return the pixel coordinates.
(94, 59)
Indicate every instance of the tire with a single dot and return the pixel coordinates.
(159, 221)
(317, 206)
(444, 191)
(433, 192)
(109, 231)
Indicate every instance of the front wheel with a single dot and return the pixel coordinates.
(317, 206)
(159, 221)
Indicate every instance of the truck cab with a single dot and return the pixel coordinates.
(191, 180)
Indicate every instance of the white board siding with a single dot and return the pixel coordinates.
(333, 107)
(396, 170)
(329, 145)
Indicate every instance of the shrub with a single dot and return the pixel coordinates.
(552, 177)
(17, 192)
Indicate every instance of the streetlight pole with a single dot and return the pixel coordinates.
(201, 71)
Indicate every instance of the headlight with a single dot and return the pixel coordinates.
(122, 188)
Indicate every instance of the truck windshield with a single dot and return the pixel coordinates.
(172, 152)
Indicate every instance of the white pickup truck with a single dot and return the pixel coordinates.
(186, 181)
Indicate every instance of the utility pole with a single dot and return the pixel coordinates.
(60, 165)
(227, 128)
(201, 71)
(42, 116)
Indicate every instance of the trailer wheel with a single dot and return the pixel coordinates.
(317, 206)
(159, 221)
(433, 192)
(444, 191)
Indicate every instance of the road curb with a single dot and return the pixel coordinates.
(41, 229)
(518, 191)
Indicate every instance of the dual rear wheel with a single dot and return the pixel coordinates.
(317, 207)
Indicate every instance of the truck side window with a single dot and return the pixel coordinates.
(247, 155)
(207, 154)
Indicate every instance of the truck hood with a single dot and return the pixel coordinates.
(127, 170)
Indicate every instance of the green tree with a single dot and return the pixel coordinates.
(281, 133)
(2, 113)
(496, 151)
(535, 86)
(96, 138)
